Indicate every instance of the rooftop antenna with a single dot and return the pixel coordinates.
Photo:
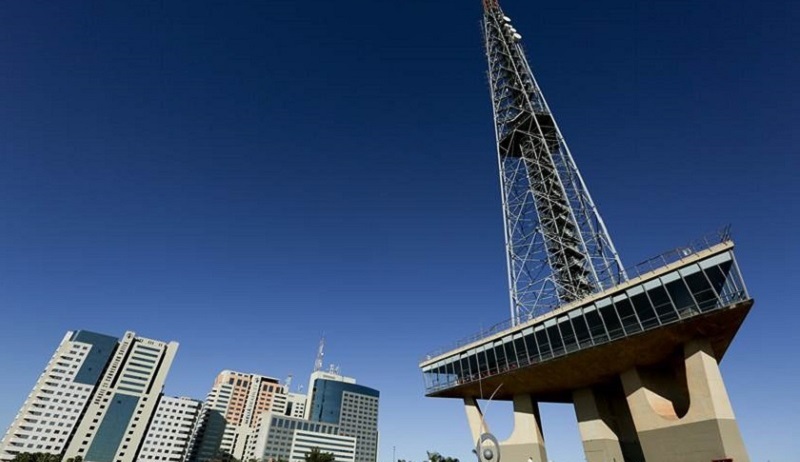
(320, 354)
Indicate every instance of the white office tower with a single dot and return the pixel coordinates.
(51, 412)
(227, 424)
(296, 405)
(167, 437)
(280, 437)
(116, 419)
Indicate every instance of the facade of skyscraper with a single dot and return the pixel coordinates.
(231, 413)
(339, 400)
(116, 419)
(93, 400)
(50, 414)
(169, 432)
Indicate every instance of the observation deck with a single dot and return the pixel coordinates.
(691, 292)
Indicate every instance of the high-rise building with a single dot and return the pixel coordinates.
(50, 414)
(114, 423)
(170, 429)
(280, 437)
(338, 400)
(94, 398)
(231, 413)
(296, 405)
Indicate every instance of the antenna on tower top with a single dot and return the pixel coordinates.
(320, 354)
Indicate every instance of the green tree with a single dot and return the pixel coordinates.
(434, 456)
(316, 456)
(36, 457)
(222, 456)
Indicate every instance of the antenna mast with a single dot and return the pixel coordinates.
(558, 248)
(320, 355)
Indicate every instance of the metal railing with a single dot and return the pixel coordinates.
(666, 258)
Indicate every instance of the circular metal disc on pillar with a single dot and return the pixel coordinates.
(488, 448)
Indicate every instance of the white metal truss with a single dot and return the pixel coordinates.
(557, 244)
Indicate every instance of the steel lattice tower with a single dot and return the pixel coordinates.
(558, 248)
(637, 357)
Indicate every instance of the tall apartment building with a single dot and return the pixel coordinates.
(94, 398)
(115, 421)
(339, 400)
(167, 437)
(50, 414)
(232, 409)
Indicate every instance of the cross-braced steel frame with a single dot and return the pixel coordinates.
(558, 247)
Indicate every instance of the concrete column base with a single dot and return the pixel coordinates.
(605, 424)
(526, 443)
(683, 414)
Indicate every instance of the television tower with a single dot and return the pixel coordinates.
(638, 357)
(558, 248)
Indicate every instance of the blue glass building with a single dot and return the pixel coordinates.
(339, 400)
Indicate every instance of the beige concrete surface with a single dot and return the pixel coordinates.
(682, 412)
(526, 443)
(606, 425)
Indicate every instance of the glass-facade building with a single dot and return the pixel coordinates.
(353, 407)
(328, 396)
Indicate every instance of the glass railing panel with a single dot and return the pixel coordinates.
(662, 304)
(627, 316)
(500, 354)
(491, 360)
(644, 310)
(483, 365)
(612, 322)
(582, 335)
(684, 303)
(522, 351)
(701, 290)
(511, 355)
(556, 342)
(466, 373)
(450, 374)
(543, 343)
(530, 345)
(597, 328)
(473, 364)
(567, 334)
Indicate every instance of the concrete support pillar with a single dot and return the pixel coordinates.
(477, 426)
(526, 443)
(684, 420)
(605, 424)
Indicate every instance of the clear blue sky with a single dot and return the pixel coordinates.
(243, 176)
